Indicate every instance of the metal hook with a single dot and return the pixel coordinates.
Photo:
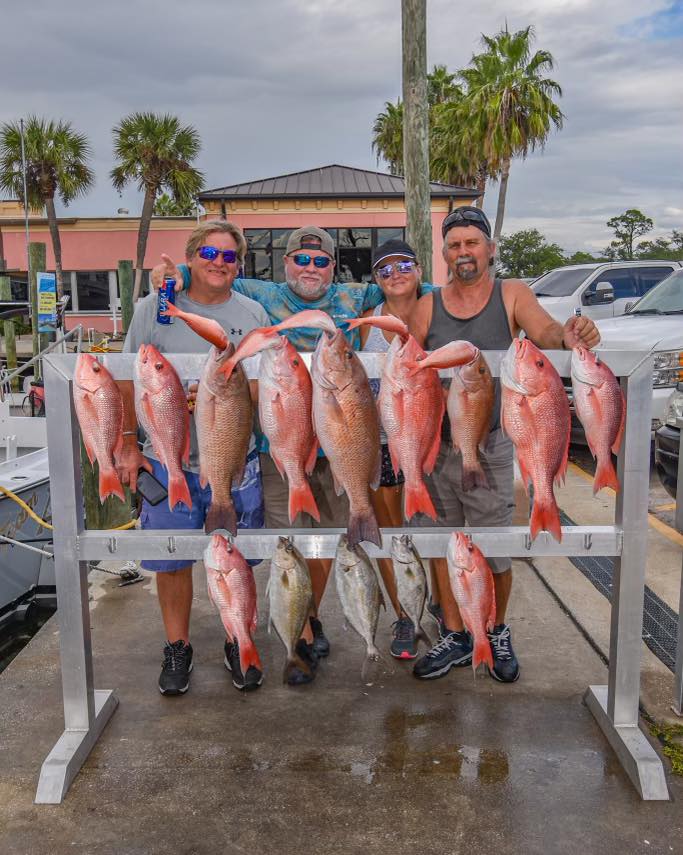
(171, 544)
(527, 541)
(112, 545)
(588, 540)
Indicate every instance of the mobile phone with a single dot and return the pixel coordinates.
(150, 488)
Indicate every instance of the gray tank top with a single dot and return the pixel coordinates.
(489, 329)
(376, 343)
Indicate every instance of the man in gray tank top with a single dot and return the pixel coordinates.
(489, 313)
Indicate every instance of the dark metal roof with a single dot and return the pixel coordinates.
(331, 181)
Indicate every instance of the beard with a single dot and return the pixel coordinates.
(466, 269)
(308, 290)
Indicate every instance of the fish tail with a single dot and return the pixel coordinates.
(545, 516)
(249, 655)
(474, 476)
(178, 491)
(363, 526)
(301, 500)
(605, 476)
(110, 484)
(221, 515)
(295, 662)
(417, 499)
(482, 651)
(371, 663)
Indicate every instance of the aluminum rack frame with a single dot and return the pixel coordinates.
(87, 710)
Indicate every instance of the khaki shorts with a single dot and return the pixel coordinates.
(477, 507)
(334, 509)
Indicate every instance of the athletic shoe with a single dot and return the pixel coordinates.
(321, 646)
(454, 650)
(436, 613)
(175, 672)
(505, 665)
(297, 677)
(404, 644)
(251, 680)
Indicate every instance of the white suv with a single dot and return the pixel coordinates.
(598, 290)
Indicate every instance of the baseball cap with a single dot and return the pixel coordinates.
(301, 239)
(392, 247)
(467, 215)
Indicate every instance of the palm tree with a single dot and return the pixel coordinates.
(56, 165)
(156, 152)
(512, 107)
(387, 136)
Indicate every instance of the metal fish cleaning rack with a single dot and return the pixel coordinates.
(87, 710)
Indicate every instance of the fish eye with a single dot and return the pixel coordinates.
(96, 367)
(158, 365)
(540, 363)
(349, 355)
(295, 363)
(482, 370)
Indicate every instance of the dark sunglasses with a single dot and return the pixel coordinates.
(477, 218)
(210, 253)
(303, 259)
(399, 266)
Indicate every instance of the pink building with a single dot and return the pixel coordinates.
(360, 208)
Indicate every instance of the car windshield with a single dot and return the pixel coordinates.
(560, 283)
(665, 298)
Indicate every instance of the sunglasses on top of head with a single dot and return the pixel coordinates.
(466, 218)
(303, 259)
(399, 266)
(211, 253)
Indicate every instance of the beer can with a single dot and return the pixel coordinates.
(166, 295)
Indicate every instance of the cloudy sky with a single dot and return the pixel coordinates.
(275, 86)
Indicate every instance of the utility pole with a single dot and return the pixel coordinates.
(416, 131)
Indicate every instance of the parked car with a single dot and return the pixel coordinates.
(668, 443)
(655, 323)
(599, 290)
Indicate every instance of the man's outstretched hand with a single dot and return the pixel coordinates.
(166, 268)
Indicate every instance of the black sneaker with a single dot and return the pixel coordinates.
(251, 680)
(436, 612)
(454, 650)
(321, 646)
(404, 644)
(175, 672)
(306, 652)
(505, 665)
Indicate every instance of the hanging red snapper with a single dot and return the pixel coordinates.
(99, 409)
(472, 585)
(411, 407)
(232, 590)
(535, 415)
(601, 408)
(161, 407)
(347, 426)
(207, 328)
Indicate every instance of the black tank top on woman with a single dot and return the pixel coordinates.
(489, 329)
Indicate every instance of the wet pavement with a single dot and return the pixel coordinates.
(342, 766)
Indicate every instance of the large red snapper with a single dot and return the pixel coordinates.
(347, 426)
(232, 590)
(411, 407)
(472, 585)
(207, 328)
(99, 409)
(535, 415)
(161, 407)
(223, 416)
(601, 408)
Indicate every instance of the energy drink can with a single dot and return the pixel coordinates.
(166, 296)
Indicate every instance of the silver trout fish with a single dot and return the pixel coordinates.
(411, 581)
(291, 600)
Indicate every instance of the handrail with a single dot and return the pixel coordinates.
(20, 370)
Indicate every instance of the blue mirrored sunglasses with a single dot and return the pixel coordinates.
(211, 253)
(303, 259)
(399, 266)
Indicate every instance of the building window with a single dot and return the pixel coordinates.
(93, 291)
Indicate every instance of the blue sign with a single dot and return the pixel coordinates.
(47, 302)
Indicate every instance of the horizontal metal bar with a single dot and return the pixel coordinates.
(512, 541)
(189, 365)
(23, 545)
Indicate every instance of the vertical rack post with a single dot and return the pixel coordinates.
(678, 670)
(86, 711)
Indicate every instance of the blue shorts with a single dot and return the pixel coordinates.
(248, 499)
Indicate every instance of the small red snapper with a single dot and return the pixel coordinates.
(99, 409)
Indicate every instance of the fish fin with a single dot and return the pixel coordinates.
(430, 458)
(474, 476)
(221, 516)
(524, 472)
(492, 613)
(295, 661)
(278, 464)
(338, 488)
(372, 662)
(249, 654)
(301, 500)
(377, 474)
(482, 651)
(110, 484)
(312, 458)
(364, 527)
(605, 476)
(203, 479)
(186, 447)
(561, 473)
(545, 516)
(284, 579)
(178, 491)
(616, 445)
(417, 499)
(89, 450)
